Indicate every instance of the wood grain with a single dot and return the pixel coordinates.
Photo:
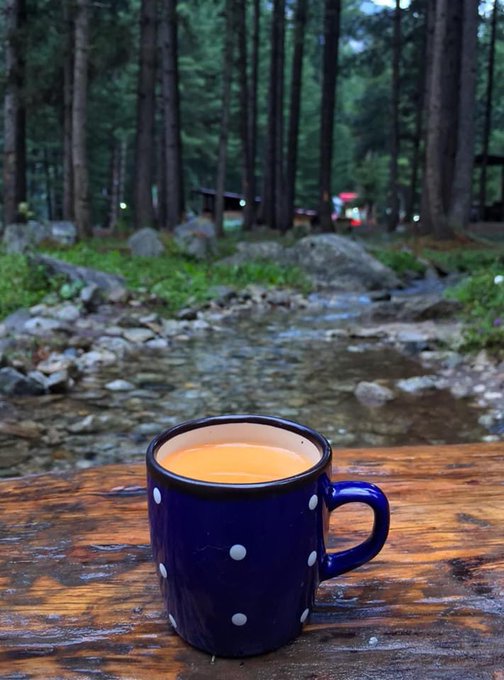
(79, 595)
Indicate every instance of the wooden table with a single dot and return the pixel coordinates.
(79, 594)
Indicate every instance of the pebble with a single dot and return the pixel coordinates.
(138, 335)
(491, 396)
(119, 386)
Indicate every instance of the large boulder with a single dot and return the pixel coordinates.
(146, 243)
(259, 250)
(113, 286)
(337, 262)
(63, 232)
(197, 238)
(20, 238)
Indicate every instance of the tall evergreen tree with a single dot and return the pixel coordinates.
(79, 121)
(171, 115)
(328, 106)
(14, 167)
(393, 220)
(300, 19)
(146, 89)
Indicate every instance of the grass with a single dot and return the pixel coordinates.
(21, 284)
(176, 280)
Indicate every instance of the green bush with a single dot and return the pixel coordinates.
(21, 284)
(400, 261)
(177, 280)
(482, 297)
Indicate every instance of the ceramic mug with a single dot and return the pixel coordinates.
(239, 564)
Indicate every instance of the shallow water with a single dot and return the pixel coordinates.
(279, 363)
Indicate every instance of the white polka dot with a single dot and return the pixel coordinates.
(172, 621)
(162, 570)
(239, 619)
(304, 615)
(157, 495)
(312, 558)
(237, 552)
(313, 502)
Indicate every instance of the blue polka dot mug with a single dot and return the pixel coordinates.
(239, 564)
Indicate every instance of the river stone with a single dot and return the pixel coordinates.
(59, 381)
(196, 237)
(67, 312)
(55, 363)
(373, 394)
(138, 335)
(20, 238)
(249, 252)
(418, 384)
(91, 296)
(39, 325)
(95, 358)
(339, 262)
(13, 383)
(119, 386)
(15, 322)
(146, 243)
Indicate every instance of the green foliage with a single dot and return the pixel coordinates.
(482, 296)
(178, 281)
(400, 261)
(21, 284)
(465, 259)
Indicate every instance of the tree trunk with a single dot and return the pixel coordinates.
(273, 180)
(488, 113)
(79, 121)
(14, 170)
(247, 172)
(227, 69)
(424, 227)
(460, 207)
(146, 101)
(280, 202)
(300, 18)
(113, 211)
(171, 114)
(419, 105)
(48, 185)
(329, 75)
(434, 217)
(254, 80)
(68, 65)
(393, 220)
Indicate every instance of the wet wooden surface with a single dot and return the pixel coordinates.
(79, 595)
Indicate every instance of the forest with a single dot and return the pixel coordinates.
(115, 111)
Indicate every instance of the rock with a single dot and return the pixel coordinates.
(15, 322)
(95, 358)
(197, 238)
(373, 394)
(91, 297)
(222, 294)
(146, 243)
(20, 238)
(117, 294)
(249, 252)
(337, 262)
(67, 312)
(87, 425)
(25, 429)
(40, 325)
(187, 314)
(106, 282)
(418, 384)
(157, 343)
(424, 307)
(119, 346)
(138, 335)
(171, 327)
(15, 384)
(460, 391)
(119, 386)
(63, 232)
(493, 396)
(55, 363)
(59, 381)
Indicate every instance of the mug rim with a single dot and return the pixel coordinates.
(189, 484)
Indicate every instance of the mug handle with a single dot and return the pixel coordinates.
(340, 493)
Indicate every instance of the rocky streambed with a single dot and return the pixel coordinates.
(83, 385)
